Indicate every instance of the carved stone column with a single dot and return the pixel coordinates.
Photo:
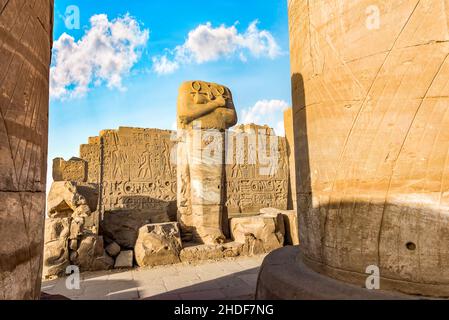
(370, 109)
(25, 53)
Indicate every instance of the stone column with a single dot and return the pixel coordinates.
(205, 111)
(25, 53)
(370, 108)
(291, 153)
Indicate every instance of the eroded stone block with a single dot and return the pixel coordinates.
(56, 248)
(90, 248)
(123, 226)
(113, 249)
(263, 228)
(66, 196)
(290, 223)
(158, 244)
(125, 259)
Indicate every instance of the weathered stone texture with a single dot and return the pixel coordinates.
(137, 176)
(71, 232)
(138, 172)
(113, 249)
(66, 197)
(205, 111)
(370, 118)
(158, 244)
(256, 171)
(91, 154)
(192, 252)
(90, 255)
(261, 233)
(74, 169)
(125, 259)
(25, 48)
(56, 252)
(291, 154)
(290, 223)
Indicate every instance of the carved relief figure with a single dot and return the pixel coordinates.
(118, 159)
(145, 163)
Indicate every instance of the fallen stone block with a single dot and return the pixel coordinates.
(76, 228)
(232, 249)
(197, 252)
(56, 249)
(125, 259)
(290, 222)
(104, 262)
(158, 244)
(56, 258)
(65, 197)
(193, 252)
(123, 226)
(266, 229)
(90, 248)
(73, 244)
(113, 249)
(57, 228)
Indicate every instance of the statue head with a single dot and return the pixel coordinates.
(208, 105)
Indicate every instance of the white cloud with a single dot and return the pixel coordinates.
(164, 66)
(206, 43)
(269, 112)
(104, 55)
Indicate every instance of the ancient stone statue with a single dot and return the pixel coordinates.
(205, 111)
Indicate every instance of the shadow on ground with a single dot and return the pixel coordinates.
(161, 284)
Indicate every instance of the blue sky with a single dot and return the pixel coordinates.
(127, 90)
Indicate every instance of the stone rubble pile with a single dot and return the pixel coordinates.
(71, 229)
(73, 237)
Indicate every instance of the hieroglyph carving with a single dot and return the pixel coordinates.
(137, 169)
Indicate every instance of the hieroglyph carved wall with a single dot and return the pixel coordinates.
(137, 168)
(256, 170)
(134, 168)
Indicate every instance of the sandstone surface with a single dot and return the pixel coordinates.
(125, 259)
(369, 86)
(205, 111)
(113, 249)
(291, 228)
(264, 231)
(74, 169)
(158, 244)
(26, 33)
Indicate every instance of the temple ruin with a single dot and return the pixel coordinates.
(360, 181)
(151, 196)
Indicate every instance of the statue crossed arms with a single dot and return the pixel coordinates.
(208, 103)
